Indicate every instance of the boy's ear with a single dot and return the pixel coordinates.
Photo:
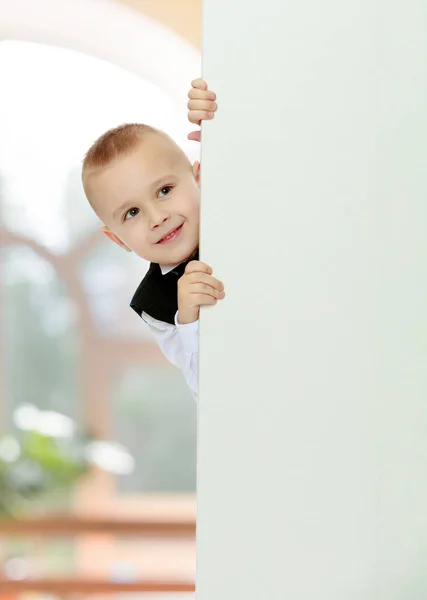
(196, 171)
(112, 236)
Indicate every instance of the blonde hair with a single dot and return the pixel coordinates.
(114, 143)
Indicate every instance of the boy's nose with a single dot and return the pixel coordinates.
(157, 219)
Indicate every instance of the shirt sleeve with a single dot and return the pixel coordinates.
(180, 345)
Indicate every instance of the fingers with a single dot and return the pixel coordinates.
(197, 282)
(195, 94)
(199, 272)
(199, 83)
(202, 300)
(197, 266)
(195, 136)
(197, 116)
(205, 279)
(196, 289)
(201, 104)
(204, 105)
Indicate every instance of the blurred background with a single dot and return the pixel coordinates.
(97, 430)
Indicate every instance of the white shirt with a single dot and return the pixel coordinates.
(179, 343)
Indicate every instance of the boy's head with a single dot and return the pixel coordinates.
(145, 191)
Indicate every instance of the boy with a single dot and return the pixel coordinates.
(146, 193)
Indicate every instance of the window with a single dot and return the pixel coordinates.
(72, 344)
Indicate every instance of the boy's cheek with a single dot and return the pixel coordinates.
(195, 212)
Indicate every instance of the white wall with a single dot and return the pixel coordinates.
(312, 433)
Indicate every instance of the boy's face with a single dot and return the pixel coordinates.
(149, 201)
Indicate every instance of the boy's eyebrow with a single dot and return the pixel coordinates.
(157, 182)
(153, 185)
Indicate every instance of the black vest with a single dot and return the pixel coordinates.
(157, 294)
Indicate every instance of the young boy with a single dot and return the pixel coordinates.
(146, 193)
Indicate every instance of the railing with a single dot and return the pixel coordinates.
(73, 526)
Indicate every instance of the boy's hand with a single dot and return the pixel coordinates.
(201, 106)
(197, 288)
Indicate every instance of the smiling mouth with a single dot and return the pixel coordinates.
(171, 236)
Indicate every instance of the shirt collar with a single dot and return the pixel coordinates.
(167, 269)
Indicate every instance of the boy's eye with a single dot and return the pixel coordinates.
(131, 213)
(164, 191)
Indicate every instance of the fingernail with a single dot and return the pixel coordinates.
(212, 96)
(210, 115)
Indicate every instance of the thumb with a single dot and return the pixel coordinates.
(195, 136)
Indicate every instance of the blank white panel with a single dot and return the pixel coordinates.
(312, 426)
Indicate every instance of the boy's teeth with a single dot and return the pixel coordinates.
(169, 235)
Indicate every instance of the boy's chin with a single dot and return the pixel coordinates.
(171, 259)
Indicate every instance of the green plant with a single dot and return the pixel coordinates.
(47, 453)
